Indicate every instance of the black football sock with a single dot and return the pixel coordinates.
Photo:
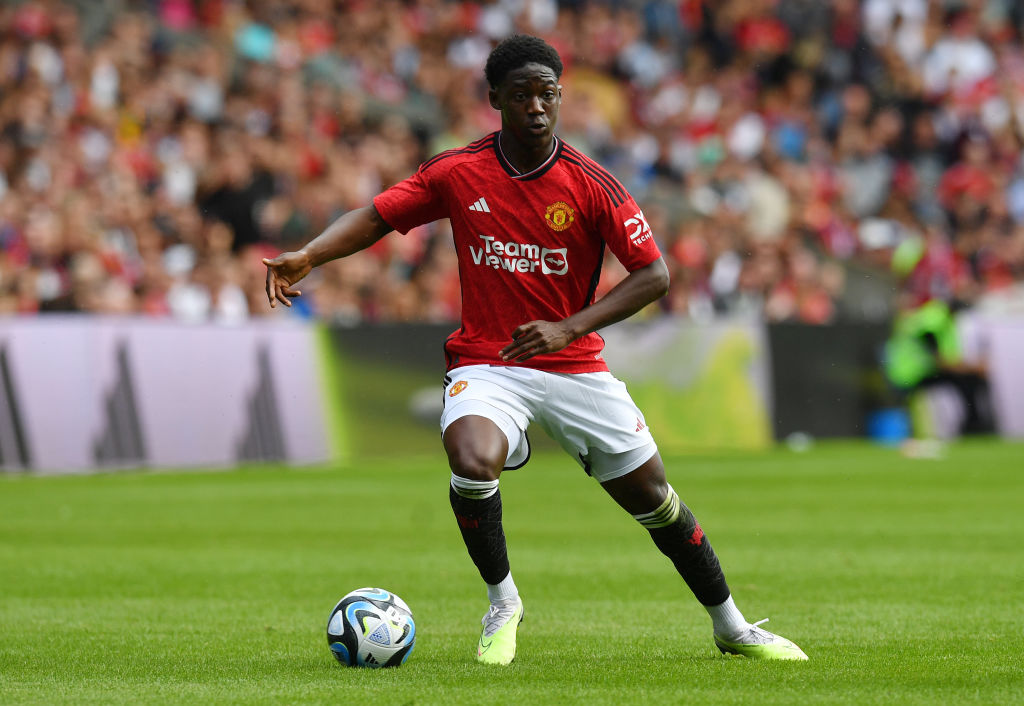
(677, 534)
(477, 508)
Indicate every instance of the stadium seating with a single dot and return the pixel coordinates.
(811, 162)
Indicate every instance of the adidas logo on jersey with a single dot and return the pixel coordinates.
(480, 205)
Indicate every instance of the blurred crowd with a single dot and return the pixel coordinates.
(811, 160)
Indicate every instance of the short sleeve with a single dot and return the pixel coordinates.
(627, 233)
(412, 202)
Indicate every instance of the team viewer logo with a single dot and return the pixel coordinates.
(519, 257)
(553, 262)
(457, 388)
(559, 215)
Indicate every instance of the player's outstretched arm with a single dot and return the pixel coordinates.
(355, 231)
(637, 290)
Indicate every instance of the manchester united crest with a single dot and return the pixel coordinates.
(559, 215)
(457, 388)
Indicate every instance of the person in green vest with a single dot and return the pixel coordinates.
(925, 351)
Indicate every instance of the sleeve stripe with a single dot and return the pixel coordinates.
(472, 148)
(616, 199)
(482, 140)
(597, 168)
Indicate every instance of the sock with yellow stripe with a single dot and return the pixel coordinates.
(678, 536)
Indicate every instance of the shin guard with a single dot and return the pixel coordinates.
(678, 535)
(477, 507)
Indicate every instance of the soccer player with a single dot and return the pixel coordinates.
(531, 217)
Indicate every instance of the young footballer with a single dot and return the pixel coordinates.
(531, 218)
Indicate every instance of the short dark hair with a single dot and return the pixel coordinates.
(518, 51)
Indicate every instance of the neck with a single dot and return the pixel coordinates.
(524, 158)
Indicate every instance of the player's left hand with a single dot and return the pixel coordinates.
(537, 338)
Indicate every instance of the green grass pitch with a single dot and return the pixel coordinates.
(903, 580)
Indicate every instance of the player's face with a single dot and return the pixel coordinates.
(528, 99)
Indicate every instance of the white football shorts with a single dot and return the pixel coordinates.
(591, 415)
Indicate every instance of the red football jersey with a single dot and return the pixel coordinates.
(530, 246)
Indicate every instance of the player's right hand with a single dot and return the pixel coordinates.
(284, 271)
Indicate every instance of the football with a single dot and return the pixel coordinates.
(371, 627)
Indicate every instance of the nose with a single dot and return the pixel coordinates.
(535, 106)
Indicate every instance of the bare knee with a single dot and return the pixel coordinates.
(642, 496)
(641, 490)
(469, 463)
(476, 448)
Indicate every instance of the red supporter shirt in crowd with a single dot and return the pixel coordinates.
(530, 246)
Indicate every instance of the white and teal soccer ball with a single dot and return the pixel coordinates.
(371, 627)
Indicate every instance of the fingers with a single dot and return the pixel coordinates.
(515, 351)
(271, 283)
(518, 352)
(526, 343)
(282, 293)
(535, 338)
(278, 289)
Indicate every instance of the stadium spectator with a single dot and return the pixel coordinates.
(150, 153)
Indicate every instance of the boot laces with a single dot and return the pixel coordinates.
(497, 615)
(756, 635)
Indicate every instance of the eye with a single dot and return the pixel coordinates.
(519, 96)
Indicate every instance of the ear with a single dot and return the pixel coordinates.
(492, 98)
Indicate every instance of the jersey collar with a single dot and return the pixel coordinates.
(533, 173)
